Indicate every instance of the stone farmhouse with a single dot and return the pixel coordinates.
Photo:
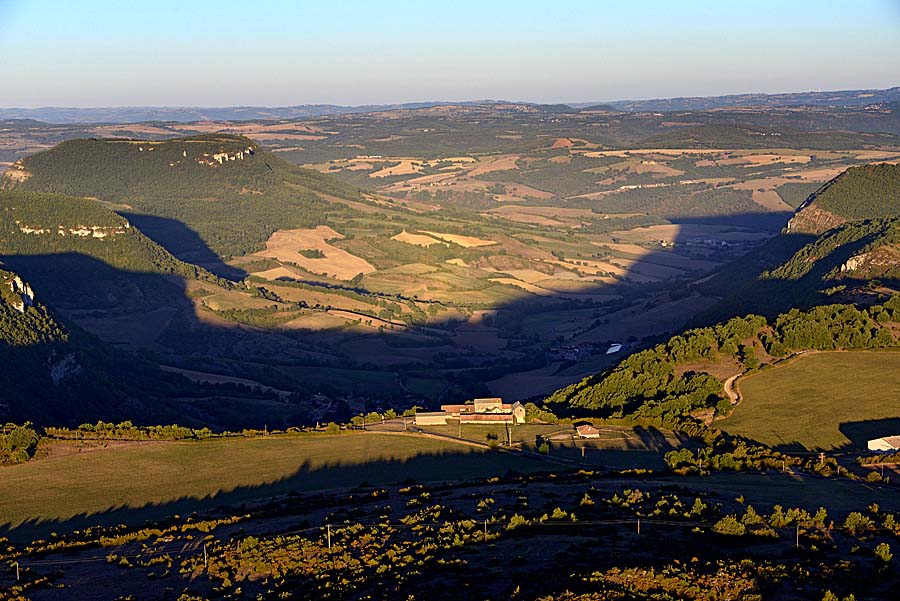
(479, 411)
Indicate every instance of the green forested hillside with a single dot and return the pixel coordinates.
(683, 375)
(841, 252)
(82, 255)
(865, 192)
(224, 188)
(41, 224)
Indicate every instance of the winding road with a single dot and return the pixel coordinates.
(730, 390)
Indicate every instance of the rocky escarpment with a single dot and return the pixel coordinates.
(16, 292)
(15, 174)
(880, 262)
(84, 231)
(810, 218)
(860, 193)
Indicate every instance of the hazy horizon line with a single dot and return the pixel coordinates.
(447, 102)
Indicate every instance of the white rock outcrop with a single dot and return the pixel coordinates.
(854, 263)
(24, 293)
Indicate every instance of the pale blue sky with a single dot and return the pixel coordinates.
(269, 52)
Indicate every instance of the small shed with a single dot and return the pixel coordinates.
(885, 444)
(431, 418)
(587, 431)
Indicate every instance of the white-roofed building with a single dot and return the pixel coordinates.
(885, 444)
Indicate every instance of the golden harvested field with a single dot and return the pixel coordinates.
(406, 167)
(277, 272)
(417, 239)
(235, 299)
(285, 245)
(655, 168)
(464, 241)
(318, 320)
(551, 216)
(523, 285)
(202, 376)
(770, 200)
(757, 160)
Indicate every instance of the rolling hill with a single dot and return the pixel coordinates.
(223, 189)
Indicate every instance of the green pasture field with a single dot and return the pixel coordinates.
(820, 401)
(186, 476)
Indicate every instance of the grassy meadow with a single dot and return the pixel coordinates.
(820, 401)
(161, 474)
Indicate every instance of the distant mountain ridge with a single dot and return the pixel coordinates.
(830, 98)
(137, 114)
(126, 114)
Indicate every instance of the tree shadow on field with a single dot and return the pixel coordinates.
(653, 439)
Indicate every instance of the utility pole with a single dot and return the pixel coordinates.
(328, 530)
(783, 465)
(205, 557)
(821, 458)
(17, 571)
(582, 452)
(701, 464)
(639, 526)
(797, 542)
(485, 531)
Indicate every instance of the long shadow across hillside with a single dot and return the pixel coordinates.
(184, 243)
(155, 310)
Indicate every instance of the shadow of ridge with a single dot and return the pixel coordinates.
(122, 306)
(434, 467)
(183, 242)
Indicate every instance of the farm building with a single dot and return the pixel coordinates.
(885, 444)
(587, 431)
(487, 411)
(486, 418)
(431, 418)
